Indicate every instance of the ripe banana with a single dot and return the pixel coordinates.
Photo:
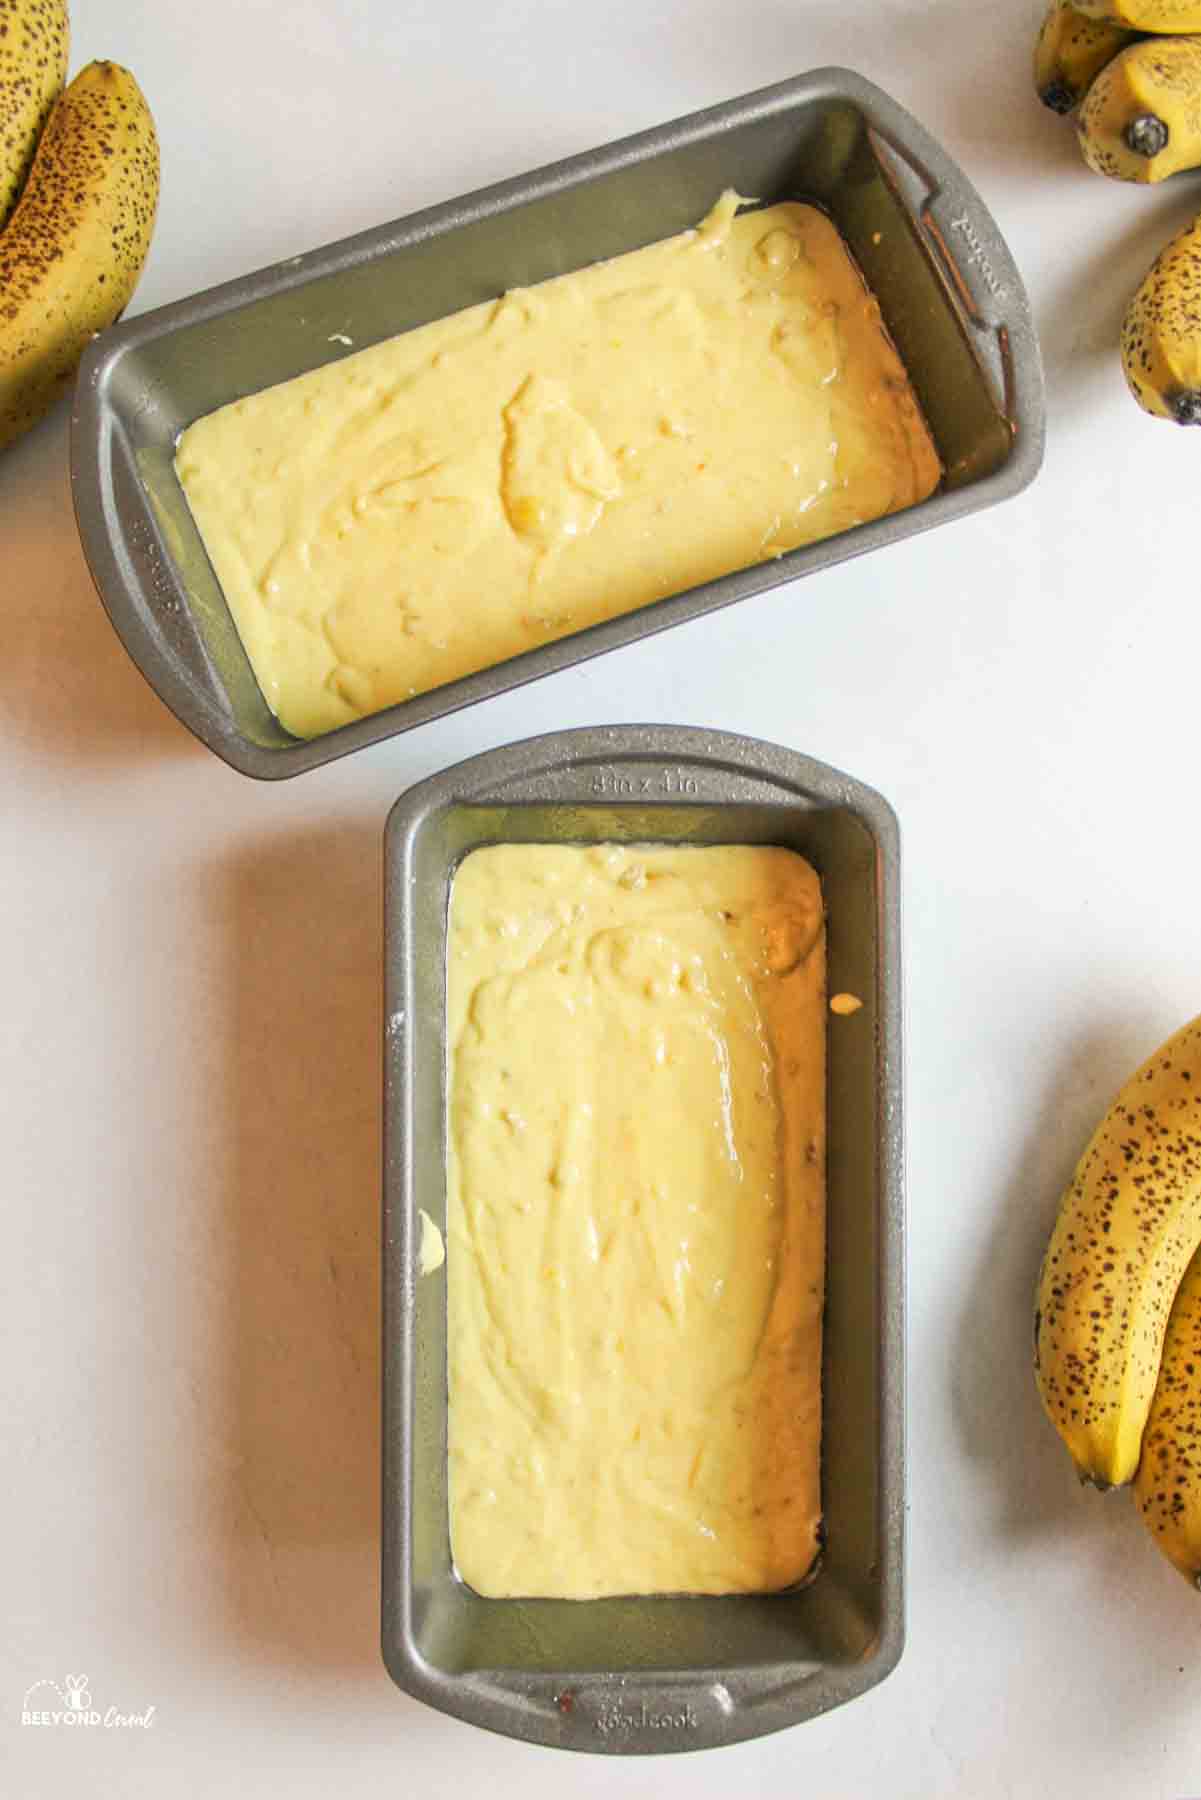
(1127, 1226)
(1167, 1487)
(1161, 16)
(71, 254)
(34, 37)
(1161, 333)
(1141, 118)
(1070, 52)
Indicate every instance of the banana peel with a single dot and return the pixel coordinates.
(73, 251)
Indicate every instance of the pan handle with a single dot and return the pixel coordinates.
(655, 765)
(649, 1714)
(966, 245)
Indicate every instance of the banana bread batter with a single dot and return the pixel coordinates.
(636, 1219)
(534, 465)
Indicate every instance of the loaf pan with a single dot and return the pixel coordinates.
(947, 286)
(664, 1673)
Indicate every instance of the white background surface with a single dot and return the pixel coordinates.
(189, 1065)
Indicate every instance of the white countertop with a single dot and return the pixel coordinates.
(189, 1069)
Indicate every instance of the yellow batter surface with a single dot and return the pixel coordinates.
(636, 1219)
(536, 464)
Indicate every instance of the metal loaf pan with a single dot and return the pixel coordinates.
(664, 1673)
(948, 288)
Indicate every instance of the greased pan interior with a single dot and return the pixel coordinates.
(947, 286)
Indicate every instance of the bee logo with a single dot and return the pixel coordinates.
(77, 1697)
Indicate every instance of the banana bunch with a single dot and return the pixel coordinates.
(79, 178)
(1117, 1324)
(1132, 69)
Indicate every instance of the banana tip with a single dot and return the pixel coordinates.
(1058, 96)
(1147, 135)
(1186, 406)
